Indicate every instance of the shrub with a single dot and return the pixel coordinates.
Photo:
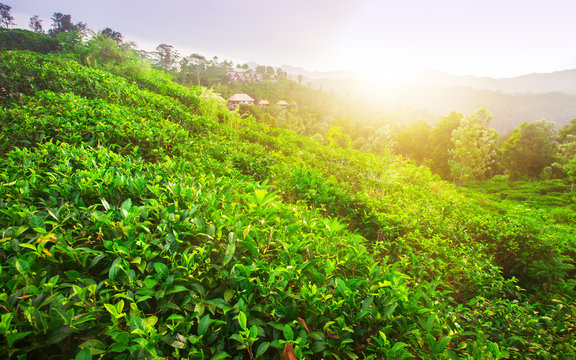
(19, 39)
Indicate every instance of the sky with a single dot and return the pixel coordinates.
(496, 38)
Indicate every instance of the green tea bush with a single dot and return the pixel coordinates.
(139, 219)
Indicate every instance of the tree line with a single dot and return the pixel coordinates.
(462, 148)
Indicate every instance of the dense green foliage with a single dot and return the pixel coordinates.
(530, 149)
(18, 39)
(141, 219)
(473, 146)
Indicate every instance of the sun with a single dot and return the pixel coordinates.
(374, 64)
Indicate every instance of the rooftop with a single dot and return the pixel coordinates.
(240, 97)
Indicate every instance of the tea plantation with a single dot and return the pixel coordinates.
(140, 219)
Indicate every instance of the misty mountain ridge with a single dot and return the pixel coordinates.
(432, 94)
(563, 81)
(526, 98)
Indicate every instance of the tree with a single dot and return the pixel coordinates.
(167, 56)
(280, 73)
(6, 19)
(149, 56)
(105, 53)
(215, 73)
(114, 35)
(192, 70)
(530, 148)
(566, 131)
(382, 141)
(62, 23)
(473, 147)
(566, 158)
(441, 143)
(413, 141)
(300, 79)
(35, 24)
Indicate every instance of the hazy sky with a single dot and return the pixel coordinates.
(479, 37)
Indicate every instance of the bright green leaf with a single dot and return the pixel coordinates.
(230, 250)
(253, 333)
(220, 356)
(22, 266)
(84, 354)
(242, 320)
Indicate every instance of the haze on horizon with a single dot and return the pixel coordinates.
(388, 38)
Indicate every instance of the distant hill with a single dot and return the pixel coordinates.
(559, 81)
(510, 110)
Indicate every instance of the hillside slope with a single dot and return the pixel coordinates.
(140, 219)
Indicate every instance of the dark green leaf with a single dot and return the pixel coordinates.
(203, 325)
(262, 348)
(161, 268)
(220, 356)
(13, 337)
(288, 333)
(114, 269)
(37, 222)
(59, 334)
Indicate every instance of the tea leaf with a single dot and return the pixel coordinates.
(242, 320)
(84, 354)
(96, 347)
(230, 250)
(13, 337)
(22, 266)
(262, 348)
(203, 325)
(288, 333)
